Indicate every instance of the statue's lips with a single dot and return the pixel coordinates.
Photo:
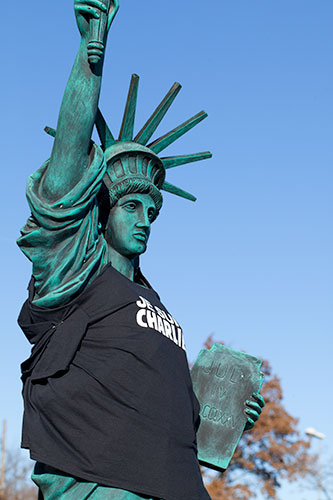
(140, 236)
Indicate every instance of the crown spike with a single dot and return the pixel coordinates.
(167, 139)
(177, 191)
(51, 131)
(103, 130)
(153, 122)
(175, 161)
(127, 126)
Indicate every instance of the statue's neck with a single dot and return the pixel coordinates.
(122, 263)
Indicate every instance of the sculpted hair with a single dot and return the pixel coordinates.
(135, 185)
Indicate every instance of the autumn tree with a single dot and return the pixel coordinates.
(272, 451)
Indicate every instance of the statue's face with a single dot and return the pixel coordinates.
(128, 226)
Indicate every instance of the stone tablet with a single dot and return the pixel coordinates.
(223, 379)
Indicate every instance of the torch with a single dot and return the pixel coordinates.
(97, 29)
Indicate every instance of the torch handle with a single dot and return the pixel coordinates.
(97, 28)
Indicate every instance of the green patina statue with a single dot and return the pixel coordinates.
(110, 411)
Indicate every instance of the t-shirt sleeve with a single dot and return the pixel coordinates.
(63, 239)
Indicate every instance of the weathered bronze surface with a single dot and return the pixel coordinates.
(67, 197)
(223, 380)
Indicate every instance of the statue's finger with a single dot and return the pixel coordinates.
(249, 424)
(114, 6)
(85, 9)
(254, 406)
(259, 398)
(96, 3)
(252, 414)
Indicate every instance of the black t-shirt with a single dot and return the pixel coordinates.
(107, 391)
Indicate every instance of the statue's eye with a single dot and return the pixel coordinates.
(151, 214)
(130, 206)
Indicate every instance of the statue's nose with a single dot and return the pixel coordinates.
(144, 221)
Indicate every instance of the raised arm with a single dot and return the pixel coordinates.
(71, 147)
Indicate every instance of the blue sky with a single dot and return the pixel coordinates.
(251, 260)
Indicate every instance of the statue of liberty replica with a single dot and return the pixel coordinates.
(109, 408)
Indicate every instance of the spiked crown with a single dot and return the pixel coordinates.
(131, 163)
